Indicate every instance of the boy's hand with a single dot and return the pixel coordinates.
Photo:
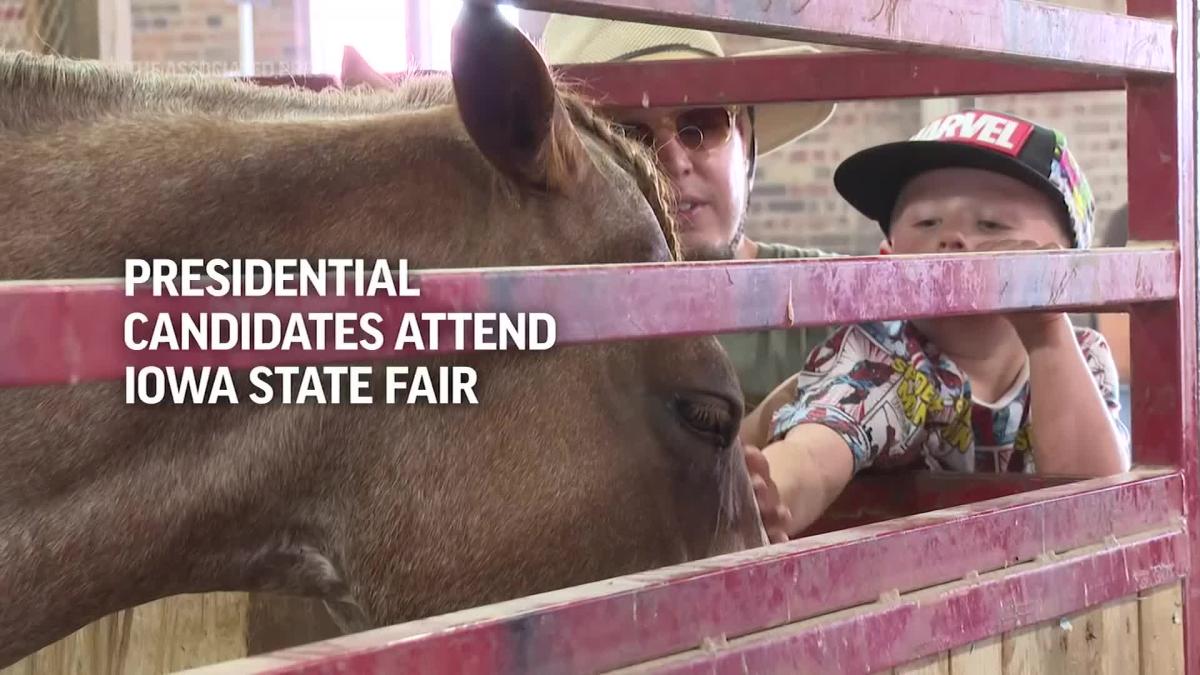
(1031, 327)
(775, 515)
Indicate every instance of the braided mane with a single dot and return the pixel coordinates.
(636, 160)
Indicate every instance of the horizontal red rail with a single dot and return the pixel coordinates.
(628, 620)
(68, 332)
(938, 620)
(778, 79)
(822, 77)
(1002, 30)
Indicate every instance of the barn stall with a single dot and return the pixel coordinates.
(925, 573)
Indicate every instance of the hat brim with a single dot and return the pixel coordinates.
(778, 124)
(871, 180)
(775, 124)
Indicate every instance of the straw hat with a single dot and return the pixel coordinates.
(570, 39)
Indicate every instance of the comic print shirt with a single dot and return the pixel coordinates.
(901, 404)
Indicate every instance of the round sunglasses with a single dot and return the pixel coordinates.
(696, 128)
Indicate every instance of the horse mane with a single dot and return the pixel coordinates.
(636, 159)
(43, 91)
(68, 88)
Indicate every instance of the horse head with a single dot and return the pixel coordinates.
(603, 459)
(581, 463)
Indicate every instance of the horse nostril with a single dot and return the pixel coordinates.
(713, 418)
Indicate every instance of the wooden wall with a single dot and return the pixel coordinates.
(1140, 635)
(185, 631)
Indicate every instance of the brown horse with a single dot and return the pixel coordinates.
(578, 464)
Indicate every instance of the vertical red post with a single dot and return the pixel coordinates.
(416, 33)
(1161, 139)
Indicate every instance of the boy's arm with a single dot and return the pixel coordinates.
(1073, 426)
(756, 428)
(816, 429)
(810, 466)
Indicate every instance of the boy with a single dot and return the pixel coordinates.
(955, 393)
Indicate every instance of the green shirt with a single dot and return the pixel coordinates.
(765, 359)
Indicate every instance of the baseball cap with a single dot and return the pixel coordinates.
(871, 180)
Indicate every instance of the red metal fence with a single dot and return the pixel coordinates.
(744, 612)
(671, 611)
(65, 333)
(763, 595)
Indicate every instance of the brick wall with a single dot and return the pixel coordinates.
(203, 35)
(794, 200)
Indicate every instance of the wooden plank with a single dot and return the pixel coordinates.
(1118, 652)
(1099, 641)
(1160, 618)
(171, 634)
(95, 648)
(937, 664)
(978, 658)
(187, 631)
(1035, 650)
(1107, 639)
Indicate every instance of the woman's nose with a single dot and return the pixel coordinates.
(674, 158)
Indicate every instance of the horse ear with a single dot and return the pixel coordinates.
(508, 102)
(357, 72)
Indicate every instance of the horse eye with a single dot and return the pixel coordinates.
(711, 419)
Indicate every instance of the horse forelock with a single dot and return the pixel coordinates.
(632, 156)
(41, 91)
